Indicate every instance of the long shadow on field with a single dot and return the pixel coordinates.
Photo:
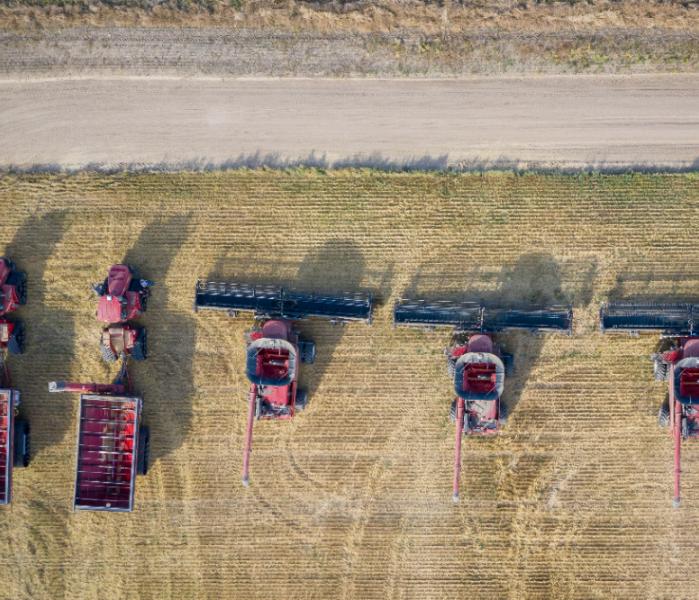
(335, 267)
(535, 280)
(50, 332)
(166, 378)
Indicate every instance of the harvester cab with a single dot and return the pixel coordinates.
(274, 347)
(113, 445)
(122, 297)
(475, 361)
(677, 363)
(14, 431)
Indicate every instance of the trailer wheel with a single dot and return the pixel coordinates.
(140, 350)
(107, 353)
(307, 350)
(21, 456)
(15, 344)
(664, 416)
(143, 450)
(301, 400)
(660, 368)
(685, 428)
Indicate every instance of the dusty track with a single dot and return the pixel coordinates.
(607, 122)
(352, 499)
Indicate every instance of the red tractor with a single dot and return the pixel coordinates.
(122, 297)
(113, 445)
(14, 432)
(677, 363)
(475, 362)
(274, 349)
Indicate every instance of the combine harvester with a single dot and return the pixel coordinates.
(274, 348)
(475, 361)
(678, 364)
(113, 445)
(14, 432)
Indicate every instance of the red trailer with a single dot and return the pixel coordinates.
(113, 445)
(275, 349)
(475, 362)
(677, 363)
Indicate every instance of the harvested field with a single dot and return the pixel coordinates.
(352, 499)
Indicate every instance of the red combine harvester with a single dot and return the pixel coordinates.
(14, 432)
(122, 297)
(678, 363)
(274, 349)
(113, 445)
(475, 361)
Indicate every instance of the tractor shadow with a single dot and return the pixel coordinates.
(335, 267)
(50, 332)
(536, 280)
(166, 377)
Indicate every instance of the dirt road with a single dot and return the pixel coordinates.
(607, 122)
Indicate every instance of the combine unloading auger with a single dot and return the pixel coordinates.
(274, 348)
(478, 366)
(679, 365)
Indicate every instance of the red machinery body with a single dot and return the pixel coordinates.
(272, 368)
(12, 287)
(122, 297)
(113, 446)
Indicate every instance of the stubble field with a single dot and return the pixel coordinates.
(352, 499)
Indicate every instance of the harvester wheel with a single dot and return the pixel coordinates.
(19, 280)
(502, 417)
(21, 457)
(664, 416)
(307, 350)
(509, 362)
(143, 450)
(660, 368)
(301, 399)
(685, 428)
(140, 350)
(108, 354)
(451, 367)
(452, 412)
(15, 344)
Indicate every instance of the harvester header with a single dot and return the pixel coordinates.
(669, 319)
(472, 316)
(271, 302)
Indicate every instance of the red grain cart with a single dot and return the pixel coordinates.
(113, 446)
(14, 442)
(475, 362)
(275, 349)
(677, 363)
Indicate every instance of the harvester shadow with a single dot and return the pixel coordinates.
(534, 281)
(50, 331)
(166, 378)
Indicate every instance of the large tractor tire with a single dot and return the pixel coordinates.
(22, 450)
(140, 349)
(107, 353)
(15, 345)
(307, 350)
(301, 400)
(143, 450)
(660, 368)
